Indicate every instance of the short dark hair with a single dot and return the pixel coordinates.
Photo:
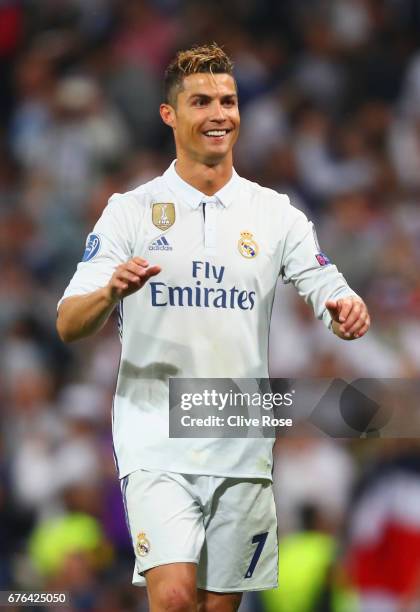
(207, 58)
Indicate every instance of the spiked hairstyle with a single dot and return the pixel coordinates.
(207, 58)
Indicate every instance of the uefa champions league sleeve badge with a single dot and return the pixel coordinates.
(93, 244)
(247, 247)
(163, 215)
(143, 545)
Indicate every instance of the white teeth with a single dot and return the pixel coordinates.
(216, 133)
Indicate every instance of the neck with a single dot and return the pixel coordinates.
(207, 179)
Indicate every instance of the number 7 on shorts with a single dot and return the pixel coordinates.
(260, 540)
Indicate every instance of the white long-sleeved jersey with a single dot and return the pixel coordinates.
(207, 314)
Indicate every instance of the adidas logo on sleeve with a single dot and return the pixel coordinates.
(160, 244)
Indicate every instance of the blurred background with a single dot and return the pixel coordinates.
(330, 103)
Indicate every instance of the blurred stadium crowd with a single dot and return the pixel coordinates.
(330, 103)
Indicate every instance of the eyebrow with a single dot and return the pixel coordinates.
(208, 97)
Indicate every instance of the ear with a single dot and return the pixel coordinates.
(167, 112)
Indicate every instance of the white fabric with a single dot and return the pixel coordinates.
(203, 315)
(205, 520)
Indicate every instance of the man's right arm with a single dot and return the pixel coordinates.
(80, 316)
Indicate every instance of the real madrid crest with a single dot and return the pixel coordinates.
(247, 247)
(163, 215)
(143, 544)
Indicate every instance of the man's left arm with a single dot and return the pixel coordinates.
(320, 283)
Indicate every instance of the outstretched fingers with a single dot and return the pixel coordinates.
(351, 315)
(130, 276)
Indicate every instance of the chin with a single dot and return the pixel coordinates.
(215, 156)
(213, 159)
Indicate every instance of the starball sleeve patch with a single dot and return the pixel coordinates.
(93, 244)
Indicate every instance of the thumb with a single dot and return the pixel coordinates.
(152, 271)
(331, 304)
(333, 308)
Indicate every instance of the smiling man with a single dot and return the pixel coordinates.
(192, 259)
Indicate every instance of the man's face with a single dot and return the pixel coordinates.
(206, 118)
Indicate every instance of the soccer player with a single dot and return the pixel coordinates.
(192, 258)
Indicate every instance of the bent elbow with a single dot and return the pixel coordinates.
(62, 334)
(62, 330)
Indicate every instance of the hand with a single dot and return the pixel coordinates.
(350, 317)
(129, 277)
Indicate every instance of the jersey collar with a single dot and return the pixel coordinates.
(192, 196)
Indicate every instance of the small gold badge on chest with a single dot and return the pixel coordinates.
(163, 215)
(247, 247)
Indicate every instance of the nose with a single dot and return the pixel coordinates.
(218, 114)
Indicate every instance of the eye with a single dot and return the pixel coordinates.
(200, 102)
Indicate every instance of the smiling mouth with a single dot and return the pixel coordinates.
(216, 133)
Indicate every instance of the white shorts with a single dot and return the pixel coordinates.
(227, 526)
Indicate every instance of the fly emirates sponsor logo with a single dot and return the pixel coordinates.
(201, 296)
